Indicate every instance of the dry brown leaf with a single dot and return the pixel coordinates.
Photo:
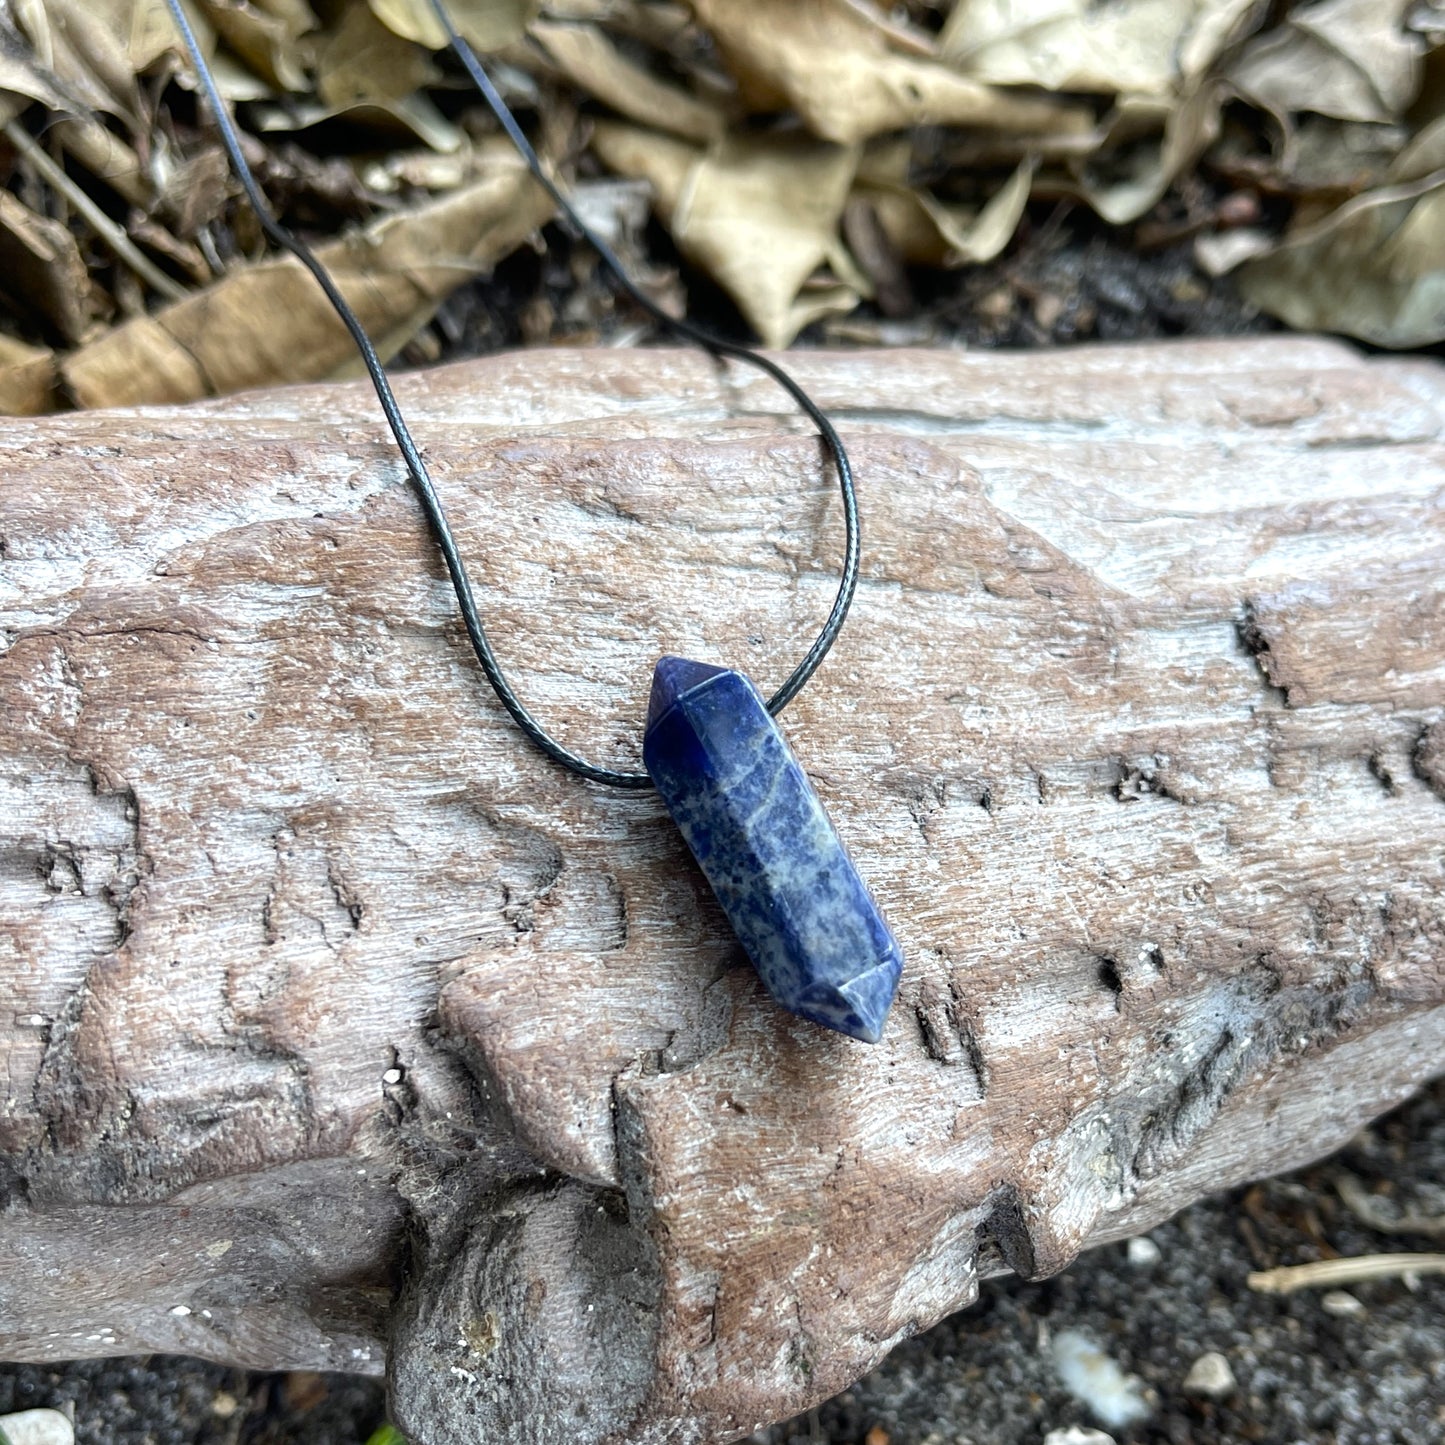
(128, 36)
(194, 190)
(1217, 253)
(151, 32)
(1425, 153)
(267, 35)
(75, 43)
(1373, 269)
(270, 323)
(1152, 54)
(1351, 59)
(1144, 47)
(928, 232)
(119, 39)
(371, 76)
(41, 270)
(1126, 185)
(414, 115)
(977, 236)
(762, 214)
(1336, 157)
(23, 79)
(190, 260)
(361, 61)
(842, 75)
(234, 79)
(665, 25)
(426, 170)
(759, 214)
(143, 29)
(27, 378)
(485, 24)
(590, 61)
(661, 160)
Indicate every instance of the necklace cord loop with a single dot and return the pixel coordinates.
(421, 478)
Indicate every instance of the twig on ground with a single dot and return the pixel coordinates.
(1291, 1277)
(108, 230)
(1370, 1209)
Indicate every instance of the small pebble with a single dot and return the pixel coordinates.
(1121, 291)
(1238, 208)
(37, 1427)
(876, 1436)
(1095, 1380)
(1144, 1253)
(224, 1404)
(997, 304)
(1210, 1375)
(1078, 1435)
(1047, 309)
(1340, 1302)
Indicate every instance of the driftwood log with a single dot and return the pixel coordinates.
(339, 1027)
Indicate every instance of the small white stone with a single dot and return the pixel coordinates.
(1078, 1435)
(180, 1310)
(1095, 1380)
(224, 1404)
(392, 1076)
(1144, 1253)
(1341, 1302)
(1210, 1375)
(37, 1427)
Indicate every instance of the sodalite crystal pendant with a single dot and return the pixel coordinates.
(750, 816)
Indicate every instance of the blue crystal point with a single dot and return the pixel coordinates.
(762, 838)
(672, 677)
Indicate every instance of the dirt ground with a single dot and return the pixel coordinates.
(1066, 278)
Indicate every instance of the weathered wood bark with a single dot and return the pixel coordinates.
(316, 981)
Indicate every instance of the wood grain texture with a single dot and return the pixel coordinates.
(336, 1024)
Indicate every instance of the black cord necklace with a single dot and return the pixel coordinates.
(431, 502)
(711, 747)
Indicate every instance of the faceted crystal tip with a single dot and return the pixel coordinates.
(672, 677)
(859, 1007)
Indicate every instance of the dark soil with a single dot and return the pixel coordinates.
(161, 1400)
(1065, 278)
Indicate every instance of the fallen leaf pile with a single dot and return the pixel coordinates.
(807, 155)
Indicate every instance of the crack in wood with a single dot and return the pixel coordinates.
(1256, 644)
